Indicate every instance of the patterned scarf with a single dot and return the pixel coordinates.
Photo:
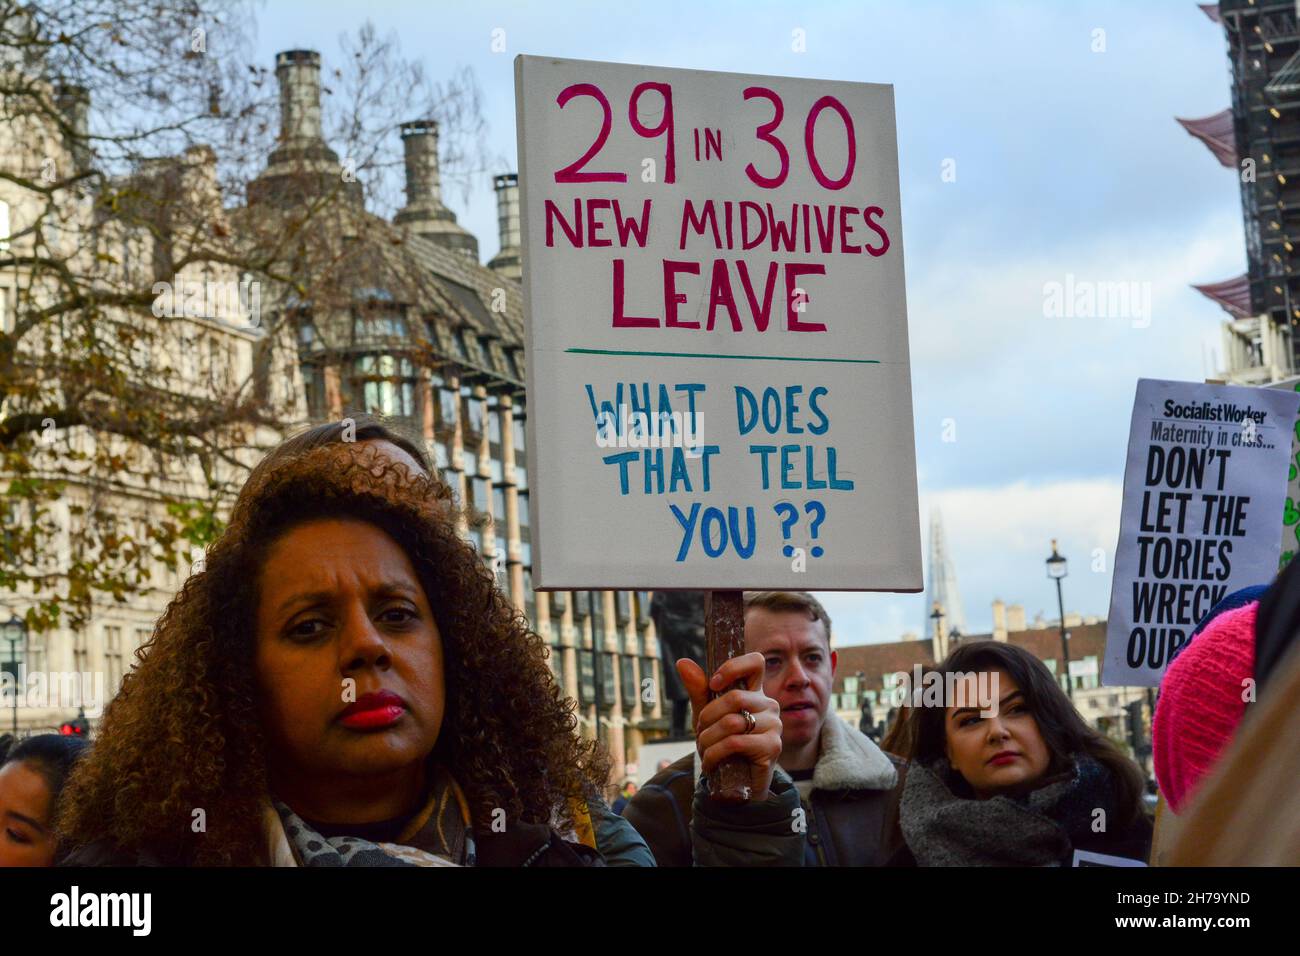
(439, 835)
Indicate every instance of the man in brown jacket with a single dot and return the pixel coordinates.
(848, 788)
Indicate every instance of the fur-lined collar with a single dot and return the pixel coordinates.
(848, 760)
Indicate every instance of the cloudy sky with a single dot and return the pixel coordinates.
(1068, 162)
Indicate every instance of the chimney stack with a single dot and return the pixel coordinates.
(420, 143)
(1016, 617)
(73, 102)
(508, 261)
(424, 214)
(298, 73)
(302, 167)
(999, 620)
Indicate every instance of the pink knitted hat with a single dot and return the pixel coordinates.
(1201, 703)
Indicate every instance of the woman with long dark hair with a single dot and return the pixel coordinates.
(344, 685)
(1005, 772)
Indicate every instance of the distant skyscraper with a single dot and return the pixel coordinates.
(942, 586)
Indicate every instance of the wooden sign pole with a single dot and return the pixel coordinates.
(724, 628)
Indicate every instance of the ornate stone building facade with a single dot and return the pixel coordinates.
(411, 328)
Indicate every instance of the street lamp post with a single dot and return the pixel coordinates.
(14, 630)
(1057, 569)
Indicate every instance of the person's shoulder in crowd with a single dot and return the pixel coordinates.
(661, 812)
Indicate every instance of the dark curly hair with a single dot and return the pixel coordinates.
(183, 733)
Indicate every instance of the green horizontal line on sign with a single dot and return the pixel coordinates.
(719, 355)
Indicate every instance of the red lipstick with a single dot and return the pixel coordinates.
(1003, 758)
(373, 711)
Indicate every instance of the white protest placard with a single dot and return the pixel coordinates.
(1203, 488)
(718, 385)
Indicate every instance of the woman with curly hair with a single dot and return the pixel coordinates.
(344, 685)
(1004, 771)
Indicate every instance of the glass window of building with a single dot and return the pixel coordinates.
(623, 606)
(586, 678)
(387, 384)
(499, 505)
(608, 680)
(447, 404)
(494, 467)
(13, 667)
(521, 446)
(380, 324)
(559, 603)
(521, 508)
(313, 380)
(530, 596)
(476, 539)
(526, 552)
(501, 547)
(113, 656)
(650, 669)
(458, 348)
(642, 608)
(482, 495)
(472, 352)
(628, 683)
(475, 410)
(851, 685)
(494, 421)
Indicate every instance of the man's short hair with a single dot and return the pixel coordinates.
(797, 601)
